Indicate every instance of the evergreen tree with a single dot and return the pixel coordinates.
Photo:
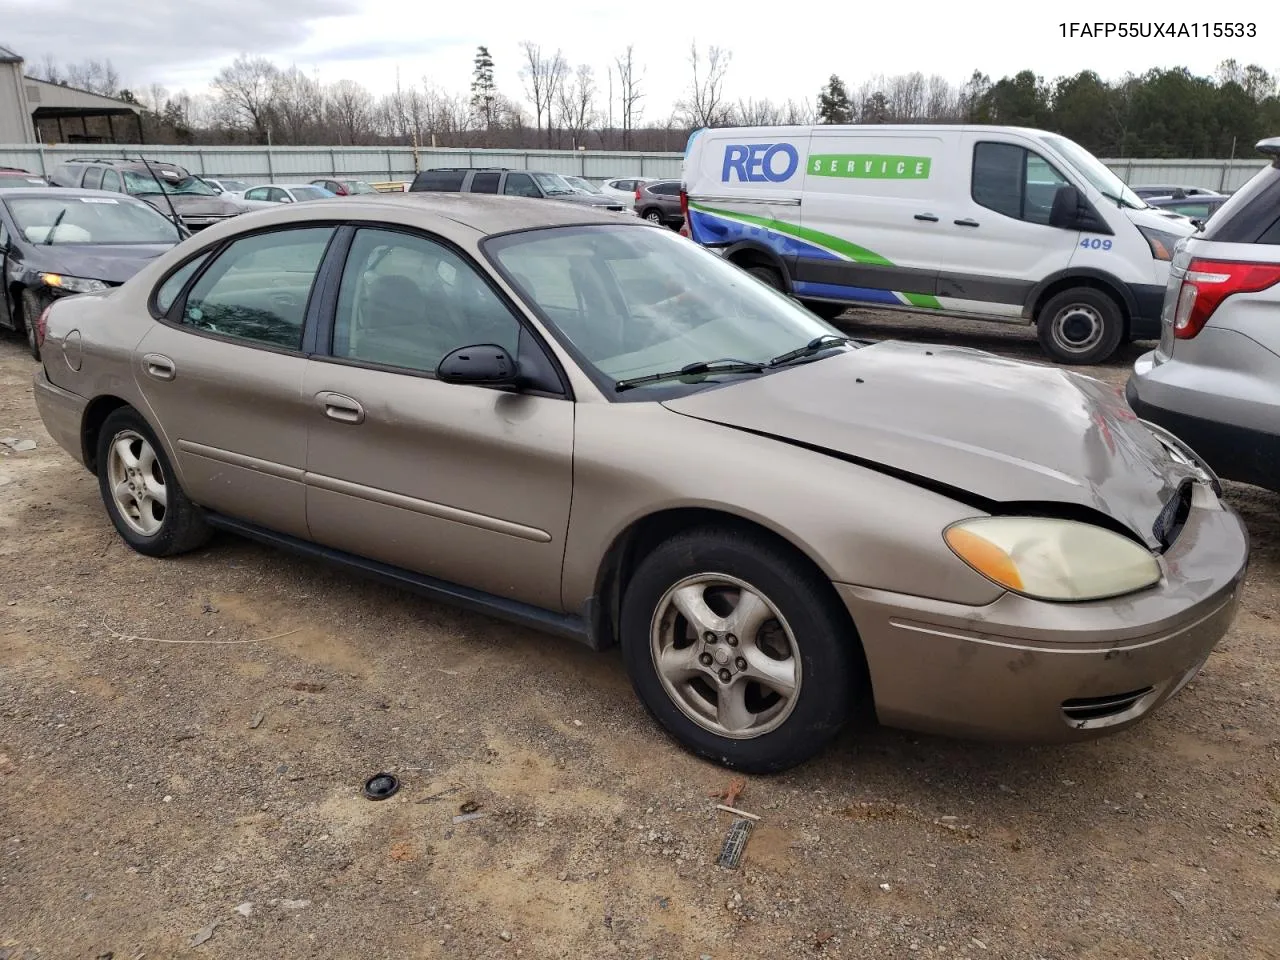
(484, 93)
(833, 103)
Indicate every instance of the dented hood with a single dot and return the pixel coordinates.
(997, 429)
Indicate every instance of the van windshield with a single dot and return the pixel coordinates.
(1097, 173)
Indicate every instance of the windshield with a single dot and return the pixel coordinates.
(310, 193)
(636, 301)
(1097, 173)
(90, 220)
(358, 186)
(234, 186)
(553, 184)
(586, 186)
(144, 183)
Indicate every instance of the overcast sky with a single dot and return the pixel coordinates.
(787, 53)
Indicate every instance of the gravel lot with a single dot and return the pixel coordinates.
(182, 745)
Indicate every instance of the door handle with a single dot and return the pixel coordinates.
(927, 217)
(966, 223)
(159, 366)
(341, 408)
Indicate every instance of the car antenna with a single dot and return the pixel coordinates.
(177, 220)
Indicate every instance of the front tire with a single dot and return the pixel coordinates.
(1080, 326)
(767, 275)
(33, 304)
(141, 491)
(739, 650)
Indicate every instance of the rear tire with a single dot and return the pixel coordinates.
(653, 216)
(1080, 326)
(782, 669)
(766, 275)
(141, 492)
(825, 308)
(33, 304)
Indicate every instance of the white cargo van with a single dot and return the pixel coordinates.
(998, 223)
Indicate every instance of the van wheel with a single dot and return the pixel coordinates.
(738, 651)
(1079, 326)
(825, 308)
(766, 275)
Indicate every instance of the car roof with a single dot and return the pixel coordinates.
(485, 214)
(64, 192)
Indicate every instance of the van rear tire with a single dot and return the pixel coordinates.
(1081, 325)
(767, 275)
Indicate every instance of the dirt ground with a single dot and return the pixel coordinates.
(183, 743)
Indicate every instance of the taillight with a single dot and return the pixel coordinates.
(1209, 282)
(42, 326)
(638, 196)
(684, 212)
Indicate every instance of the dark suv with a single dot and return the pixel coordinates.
(512, 183)
(659, 202)
(196, 203)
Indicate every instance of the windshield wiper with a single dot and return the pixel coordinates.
(816, 345)
(692, 370)
(57, 221)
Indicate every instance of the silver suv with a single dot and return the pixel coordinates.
(1214, 380)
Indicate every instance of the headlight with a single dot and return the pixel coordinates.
(1162, 244)
(73, 284)
(1053, 559)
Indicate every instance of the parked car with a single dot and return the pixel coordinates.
(235, 188)
(344, 188)
(269, 194)
(196, 203)
(583, 185)
(993, 223)
(856, 534)
(1214, 379)
(624, 188)
(12, 177)
(511, 183)
(1147, 191)
(1199, 209)
(57, 242)
(659, 202)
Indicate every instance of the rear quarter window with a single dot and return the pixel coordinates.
(1252, 214)
(448, 181)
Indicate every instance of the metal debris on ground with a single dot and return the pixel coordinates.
(734, 844)
(465, 817)
(380, 786)
(256, 722)
(245, 909)
(16, 445)
(437, 796)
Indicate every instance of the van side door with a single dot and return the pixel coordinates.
(872, 216)
(1000, 242)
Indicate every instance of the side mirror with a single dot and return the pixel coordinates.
(483, 364)
(1071, 211)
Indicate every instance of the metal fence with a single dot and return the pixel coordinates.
(266, 164)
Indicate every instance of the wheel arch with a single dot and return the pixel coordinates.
(1100, 280)
(95, 415)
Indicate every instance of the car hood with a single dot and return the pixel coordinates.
(966, 422)
(590, 199)
(190, 205)
(1158, 218)
(110, 263)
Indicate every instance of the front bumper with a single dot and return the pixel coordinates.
(1025, 670)
(63, 414)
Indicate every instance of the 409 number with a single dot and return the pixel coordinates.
(1095, 243)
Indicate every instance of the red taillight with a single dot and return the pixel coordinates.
(1208, 282)
(42, 326)
(684, 212)
(639, 197)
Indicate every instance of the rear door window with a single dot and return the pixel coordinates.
(485, 183)
(447, 181)
(257, 289)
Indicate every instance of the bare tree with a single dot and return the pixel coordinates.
(798, 113)
(297, 106)
(48, 69)
(942, 100)
(757, 113)
(577, 103)
(906, 96)
(95, 76)
(543, 77)
(348, 108)
(705, 106)
(247, 87)
(631, 93)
